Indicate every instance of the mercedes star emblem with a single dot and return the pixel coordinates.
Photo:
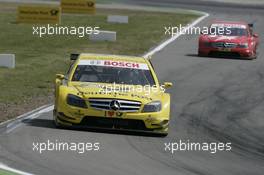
(115, 105)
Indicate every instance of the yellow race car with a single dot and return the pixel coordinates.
(113, 92)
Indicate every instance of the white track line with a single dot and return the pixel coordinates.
(7, 168)
(18, 122)
(177, 35)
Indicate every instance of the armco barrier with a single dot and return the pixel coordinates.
(117, 19)
(103, 36)
(7, 60)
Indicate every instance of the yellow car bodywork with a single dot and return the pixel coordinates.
(67, 115)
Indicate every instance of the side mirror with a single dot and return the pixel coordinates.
(149, 57)
(255, 35)
(251, 25)
(60, 76)
(167, 85)
(74, 56)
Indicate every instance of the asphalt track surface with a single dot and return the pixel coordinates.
(213, 100)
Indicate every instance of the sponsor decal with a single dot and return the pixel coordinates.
(111, 63)
(110, 113)
(38, 14)
(113, 114)
(78, 6)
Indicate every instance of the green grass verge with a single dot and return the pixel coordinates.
(39, 59)
(4, 172)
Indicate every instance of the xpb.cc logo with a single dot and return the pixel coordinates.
(90, 4)
(54, 12)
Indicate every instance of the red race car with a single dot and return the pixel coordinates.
(229, 39)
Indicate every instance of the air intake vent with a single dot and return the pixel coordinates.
(115, 105)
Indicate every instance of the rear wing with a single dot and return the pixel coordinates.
(74, 56)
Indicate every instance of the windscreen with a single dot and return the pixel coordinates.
(119, 72)
(228, 30)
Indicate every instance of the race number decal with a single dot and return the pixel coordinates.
(111, 114)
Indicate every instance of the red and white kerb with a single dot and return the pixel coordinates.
(113, 63)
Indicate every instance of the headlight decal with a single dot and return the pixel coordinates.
(76, 101)
(243, 45)
(154, 106)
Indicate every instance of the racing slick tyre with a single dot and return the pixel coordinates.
(256, 56)
(57, 125)
(200, 54)
(252, 58)
(161, 134)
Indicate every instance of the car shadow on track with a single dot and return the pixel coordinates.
(218, 57)
(43, 123)
(47, 123)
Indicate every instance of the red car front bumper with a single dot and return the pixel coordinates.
(234, 52)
